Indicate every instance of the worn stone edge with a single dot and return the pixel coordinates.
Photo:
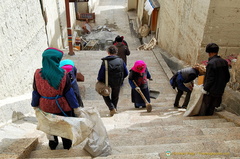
(13, 151)
(229, 117)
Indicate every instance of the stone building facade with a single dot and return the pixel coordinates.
(185, 27)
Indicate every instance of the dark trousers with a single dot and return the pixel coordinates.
(179, 95)
(209, 103)
(112, 101)
(66, 142)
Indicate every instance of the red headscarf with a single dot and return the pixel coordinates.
(139, 66)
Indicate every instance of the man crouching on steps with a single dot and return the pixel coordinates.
(117, 71)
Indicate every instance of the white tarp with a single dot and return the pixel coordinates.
(75, 129)
(195, 102)
(88, 126)
(97, 144)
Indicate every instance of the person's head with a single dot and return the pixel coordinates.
(51, 72)
(139, 66)
(119, 39)
(112, 50)
(51, 56)
(201, 69)
(212, 49)
(66, 64)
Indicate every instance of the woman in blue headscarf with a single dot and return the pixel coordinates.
(68, 65)
(52, 91)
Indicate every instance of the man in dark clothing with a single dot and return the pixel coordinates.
(216, 78)
(117, 71)
(123, 50)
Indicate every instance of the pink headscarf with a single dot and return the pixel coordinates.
(139, 66)
(68, 68)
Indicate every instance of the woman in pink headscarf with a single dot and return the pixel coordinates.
(139, 74)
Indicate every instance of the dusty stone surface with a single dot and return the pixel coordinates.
(134, 133)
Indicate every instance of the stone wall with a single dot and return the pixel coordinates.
(24, 37)
(235, 75)
(186, 27)
(222, 27)
(181, 26)
(231, 96)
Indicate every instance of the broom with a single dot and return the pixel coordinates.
(148, 105)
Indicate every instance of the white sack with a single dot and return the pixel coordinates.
(75, 129)
(97, 144)
(195, 102)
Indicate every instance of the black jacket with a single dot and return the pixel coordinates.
(217, 76)
(117, 71)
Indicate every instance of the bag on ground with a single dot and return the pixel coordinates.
(98, 143)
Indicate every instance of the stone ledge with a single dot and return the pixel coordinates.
(20, 149)
(229, 117)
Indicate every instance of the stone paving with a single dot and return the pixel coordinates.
(134, 133)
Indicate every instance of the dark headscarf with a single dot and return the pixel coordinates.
(119, 39)
(51, 72)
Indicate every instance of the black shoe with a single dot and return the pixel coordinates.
(184, 107)
(53, 143)
(177, 106)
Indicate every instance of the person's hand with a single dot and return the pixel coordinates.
(77, 111)
(203, 91)
(137, 89)
(35, 108)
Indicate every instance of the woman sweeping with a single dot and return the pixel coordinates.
(138, 81)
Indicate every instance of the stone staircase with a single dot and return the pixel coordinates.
(134, 133)
(138, 134)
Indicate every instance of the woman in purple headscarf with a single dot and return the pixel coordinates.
(139, 74)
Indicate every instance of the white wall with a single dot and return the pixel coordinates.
(22, 41)
(56, 22)
(181, 27)
(223, 27)
(23, 38)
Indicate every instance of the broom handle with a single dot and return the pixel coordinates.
(140, 92)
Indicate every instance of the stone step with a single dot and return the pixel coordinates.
(135, 118)
(211, 123)
(147, 139)
(12, 132)
(168, 131)
(132, 156)
(75, 153)
(72, 153)
(198, 148)
(20, 149)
